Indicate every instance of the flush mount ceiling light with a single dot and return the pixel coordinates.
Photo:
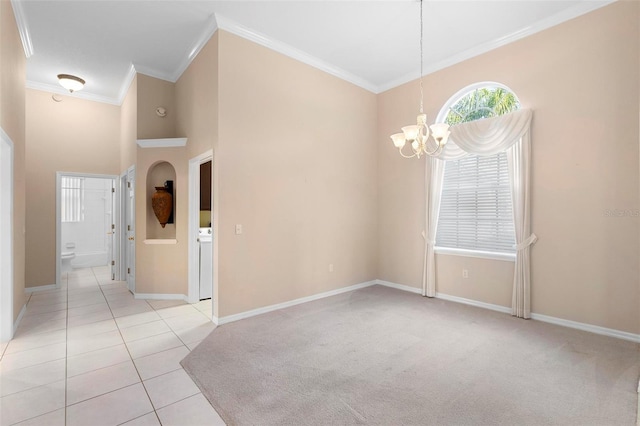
(418, 135)
(71, 82)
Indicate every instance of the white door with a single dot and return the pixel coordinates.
(130, 229)
(112, 231)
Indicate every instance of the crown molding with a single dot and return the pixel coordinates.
(551, 21)
(79, 94)
(261, 39)
(124, 89)
(210, 29)
(151, 72)
(23, 28)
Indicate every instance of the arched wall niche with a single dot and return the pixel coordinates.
(159, 173)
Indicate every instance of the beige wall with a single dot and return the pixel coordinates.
(153, 93)
(12, 121)
(129, 126)
(297, 163)
(197, 100)
(161, 268)
(197, 119)
(74, 135)
(581, 80)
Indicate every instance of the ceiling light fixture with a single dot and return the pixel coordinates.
(71, 82)
(418, 135)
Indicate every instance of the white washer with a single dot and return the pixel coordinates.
(206, 263)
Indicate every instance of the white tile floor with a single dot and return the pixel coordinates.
(90, 354)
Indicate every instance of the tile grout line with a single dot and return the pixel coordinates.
(129, 352)
(65, 374)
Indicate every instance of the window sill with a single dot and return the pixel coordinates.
(508, 257)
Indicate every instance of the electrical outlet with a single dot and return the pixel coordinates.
(238, 229)
(331, 267)
(465, 273)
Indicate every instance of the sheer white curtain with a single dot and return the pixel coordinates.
(510, 133)
(434, 174)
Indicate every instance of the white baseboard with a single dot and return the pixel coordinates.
(271, 308)
(40, 288)
(538, 317)
(160, 296)
(20, 315)
(472, 302)
(399, 286)
(588, 327)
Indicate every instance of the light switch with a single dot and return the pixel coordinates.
(238, 229)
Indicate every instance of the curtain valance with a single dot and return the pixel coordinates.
(488, 136)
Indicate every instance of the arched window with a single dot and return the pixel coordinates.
(475, 210)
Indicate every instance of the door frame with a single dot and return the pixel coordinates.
(6, 237)
(194, 225)
(129, 205)
(59, 175)
(121, 260)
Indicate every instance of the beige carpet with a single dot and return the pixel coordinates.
(381, 356)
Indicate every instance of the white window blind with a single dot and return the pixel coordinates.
(72, 199)
(475, 209)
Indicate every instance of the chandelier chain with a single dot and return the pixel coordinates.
(418, 134)
(421, 62)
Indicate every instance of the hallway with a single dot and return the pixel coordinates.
(90, 354)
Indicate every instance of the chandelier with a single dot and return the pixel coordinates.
(418, 135)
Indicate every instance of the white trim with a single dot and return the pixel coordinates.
(40, 288)
(159, 296)
(130, 214)
(56, 88)
(20, 315)
(402, 287)
(287, 50)
(58, 283)
(160, 241)
(126, 84)
(162, 143)
(271, 308)
(6, 237)
(215, 320)
(507, 257)
(142, 69)
(23, 28)
(624, 335)
(210, 29)
(471, 302)
(194, 224)
(588, 327)
(560, 17)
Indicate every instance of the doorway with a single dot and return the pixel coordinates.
(202, 237)
(6, 237)
(86, 220)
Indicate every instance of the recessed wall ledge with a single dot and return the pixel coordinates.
(162, 143)
(161, 241)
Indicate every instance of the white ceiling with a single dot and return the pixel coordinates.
(374, 44)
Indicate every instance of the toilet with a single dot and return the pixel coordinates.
(66, 258)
